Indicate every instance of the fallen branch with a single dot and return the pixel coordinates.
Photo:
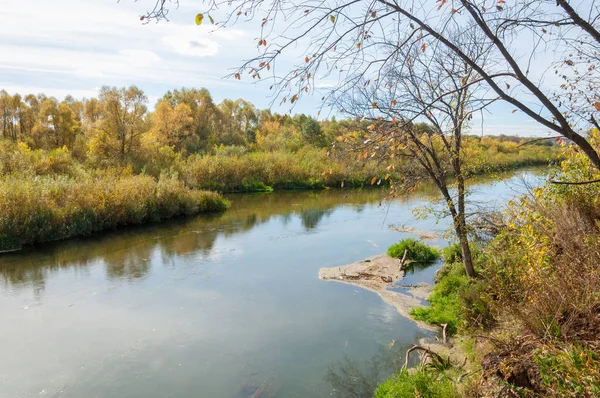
(575, 182)
(403, 259)
(426, 351)
(444, 326)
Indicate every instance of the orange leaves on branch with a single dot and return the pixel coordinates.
(268, 66)
(424, 47)
(306, 59)
(238, 76)
(294, 98)
(394, 102)
(262, 65)
(442, 2)
(597, 106)
(372, 127)
(373, 180)
(374, 105)
(357, 45)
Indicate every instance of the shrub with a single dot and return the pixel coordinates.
(421, 383)
(416, 251)
(574, 371)
(46, 208)
(452, 253)
(445, 305)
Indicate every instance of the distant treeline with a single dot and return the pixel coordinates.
(74, 167)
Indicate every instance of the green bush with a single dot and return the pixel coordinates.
(417, 251)
(445, 304)
(574, 371)
(452, 253)
(421, 383)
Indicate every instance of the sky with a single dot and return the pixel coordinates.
(74, 47)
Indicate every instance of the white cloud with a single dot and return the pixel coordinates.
(193, 46)
(81, 44)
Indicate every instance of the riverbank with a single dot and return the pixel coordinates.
(529, 321)
(52, 208)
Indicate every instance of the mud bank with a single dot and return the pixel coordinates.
(378, 274)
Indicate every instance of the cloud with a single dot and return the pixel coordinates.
(192, 46)
(71, 45)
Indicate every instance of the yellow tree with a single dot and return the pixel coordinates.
(122, 122)
(173, 126)
(204, 113)
(57, 124)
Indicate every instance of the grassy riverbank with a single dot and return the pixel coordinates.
(47, 208)
(529, 323)
(53, 194)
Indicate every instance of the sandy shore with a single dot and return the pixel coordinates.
(377, 274)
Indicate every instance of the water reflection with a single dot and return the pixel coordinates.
(126, 254)
(358, 379)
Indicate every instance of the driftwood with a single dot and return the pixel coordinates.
(403, 259)
(444, 326)
(426, 353)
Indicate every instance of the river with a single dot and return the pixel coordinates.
(216, 306)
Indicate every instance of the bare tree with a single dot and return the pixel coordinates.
(443, 91)
(351, 41)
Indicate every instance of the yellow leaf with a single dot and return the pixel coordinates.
(373, 180)
(332, 18)
(199, 19)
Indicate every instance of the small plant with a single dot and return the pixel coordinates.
(452, 253)
(416, 251)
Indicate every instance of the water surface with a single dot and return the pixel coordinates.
(214, 306)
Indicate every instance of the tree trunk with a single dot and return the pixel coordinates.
(460, 222)
(466, 251)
